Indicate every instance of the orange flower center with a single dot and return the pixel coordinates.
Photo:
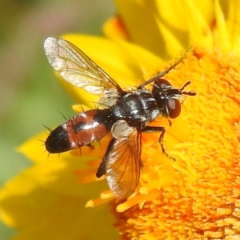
(198, 194)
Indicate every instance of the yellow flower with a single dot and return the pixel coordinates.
(195, 197)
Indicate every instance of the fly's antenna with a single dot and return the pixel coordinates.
(187, 93)
(161, 74)
(185, 85)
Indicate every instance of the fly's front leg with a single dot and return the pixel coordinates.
(161, 137)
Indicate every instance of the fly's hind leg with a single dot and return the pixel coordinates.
(161, 137)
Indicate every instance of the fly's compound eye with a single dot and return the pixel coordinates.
(162, 84)
(173, 108)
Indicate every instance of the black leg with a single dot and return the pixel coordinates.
(161, 137)
(102, 167)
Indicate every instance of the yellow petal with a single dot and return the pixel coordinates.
(233, 22)
(34, 148)
(139, 20)
(114, 29)
(173, 44)
(185, 22)
(198, 28)
(222, 34)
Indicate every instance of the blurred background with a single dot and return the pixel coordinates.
(30, 94)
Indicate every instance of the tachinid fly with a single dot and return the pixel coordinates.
(126, 114)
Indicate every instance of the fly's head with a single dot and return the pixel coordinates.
(167, 97)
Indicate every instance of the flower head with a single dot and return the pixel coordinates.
(195, 197)
(198, 195)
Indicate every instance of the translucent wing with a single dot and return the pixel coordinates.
(78, 69)
(121, 164)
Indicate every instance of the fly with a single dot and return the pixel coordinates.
(126, 116)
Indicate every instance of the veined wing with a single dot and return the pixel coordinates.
(122, 163)
(78, 69)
